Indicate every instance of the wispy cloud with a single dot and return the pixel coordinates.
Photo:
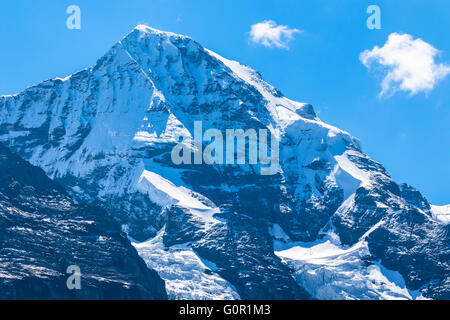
(271, 35)
(410, 64)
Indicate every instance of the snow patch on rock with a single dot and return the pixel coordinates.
(441, 213)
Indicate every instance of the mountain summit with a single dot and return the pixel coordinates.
(330, 224)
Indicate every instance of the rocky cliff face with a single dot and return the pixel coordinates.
(43, 232)
(330, 223)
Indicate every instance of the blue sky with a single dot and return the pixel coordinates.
(408, 134)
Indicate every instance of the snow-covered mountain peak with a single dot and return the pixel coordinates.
(149, 30)
(106, 133)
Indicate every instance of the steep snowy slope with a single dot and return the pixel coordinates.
(441, 213)
(107, 132)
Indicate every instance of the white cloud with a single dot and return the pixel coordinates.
(269, 34)
(410, 64)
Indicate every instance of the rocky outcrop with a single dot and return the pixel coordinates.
(43, 232)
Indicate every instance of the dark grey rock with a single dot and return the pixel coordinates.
(42, 232)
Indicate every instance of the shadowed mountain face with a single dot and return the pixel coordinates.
(330, 223)
(43, 232)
